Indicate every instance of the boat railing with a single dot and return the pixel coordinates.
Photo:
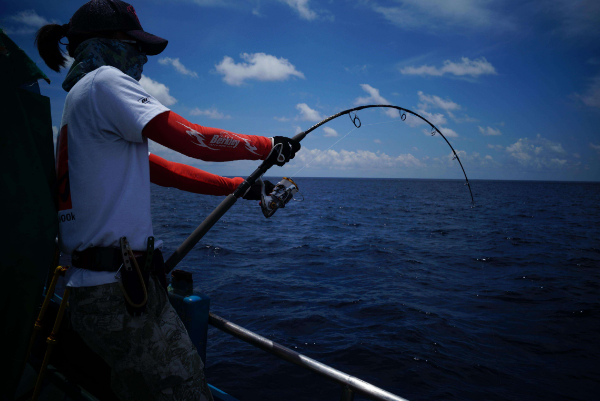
(350, 384)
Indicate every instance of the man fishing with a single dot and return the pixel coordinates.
(104, 172)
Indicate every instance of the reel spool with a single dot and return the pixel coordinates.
(282, 193)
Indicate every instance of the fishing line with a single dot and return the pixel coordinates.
(349, 132)
(311, 160)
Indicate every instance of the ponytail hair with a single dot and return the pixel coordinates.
(47, 41)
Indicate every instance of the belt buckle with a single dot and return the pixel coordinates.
(125, 250)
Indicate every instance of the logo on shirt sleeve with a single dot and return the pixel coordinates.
(200, 140)
(224, 140)
(249, 147)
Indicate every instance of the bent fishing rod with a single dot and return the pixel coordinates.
(228, 202)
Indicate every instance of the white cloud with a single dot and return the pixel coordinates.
(465, 119)
(29, 21)
(521, 150)
(210, 113)
(555, 147)
(379, 141)
(436, 15)
(496, 147)
(595, 147)
(54, 134)
(448, 133)
(361, 159)
(592, 96)
(473, 160)
(473, 68)
(30, 18)
(330, 132)
(258, 66)
(375, 97)
(308, 114)
(297, 130)
(437, 119)
(281, 119)
(489, 131)
(157, 90)
(437, 102)
(538, 152)
(23, 30)
(434, 118)
(302, 8)
(180, 68)
(357, 69)
(69, 62)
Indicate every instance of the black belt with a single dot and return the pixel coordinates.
(100, 259)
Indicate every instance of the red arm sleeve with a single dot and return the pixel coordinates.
(204, 143)
(190, 179)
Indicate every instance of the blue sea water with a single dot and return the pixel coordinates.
(402, 284)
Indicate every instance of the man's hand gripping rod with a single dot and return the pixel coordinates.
(219, 211)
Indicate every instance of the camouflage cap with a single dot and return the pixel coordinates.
(114, 15)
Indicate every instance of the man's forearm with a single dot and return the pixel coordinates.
(204, 143)
(176, 175)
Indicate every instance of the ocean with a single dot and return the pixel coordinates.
(403, 284)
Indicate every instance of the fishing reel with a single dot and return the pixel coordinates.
(281, 194)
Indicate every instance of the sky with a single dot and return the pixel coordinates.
(513, 85)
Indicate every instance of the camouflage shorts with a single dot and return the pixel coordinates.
(151, 356)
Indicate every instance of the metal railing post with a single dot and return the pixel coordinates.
(350, 384)
(347, 394)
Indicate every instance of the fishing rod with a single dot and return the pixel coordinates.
(288, 189)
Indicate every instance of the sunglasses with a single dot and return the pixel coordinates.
(133, 43)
